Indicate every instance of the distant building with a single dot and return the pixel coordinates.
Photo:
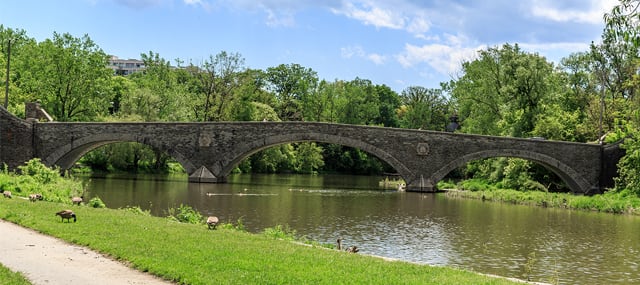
(125, 66)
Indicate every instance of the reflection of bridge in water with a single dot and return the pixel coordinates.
(210, 151)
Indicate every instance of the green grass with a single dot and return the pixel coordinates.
(8, 277)
(609, 202)
(192, 254)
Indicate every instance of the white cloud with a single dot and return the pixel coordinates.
(376, 58)
(202, 3)
(358, 51)
(446, 58)
(280, 19)
(372, 15)
(418, 26)
(396, 15)
(597, 8)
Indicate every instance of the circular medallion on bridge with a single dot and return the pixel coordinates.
(423, 148)
(204, 140)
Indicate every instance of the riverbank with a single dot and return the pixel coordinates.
(609, 202)
(192, 254)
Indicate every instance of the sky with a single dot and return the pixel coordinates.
(397, 43)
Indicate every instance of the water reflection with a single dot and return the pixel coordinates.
(560, 246)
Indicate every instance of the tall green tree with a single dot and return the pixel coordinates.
(217, 78)
(68, 75)
(503, 91)
(158, 94)
(622, 32)
(291, 84)
(308, 158)
(361, 105)
(13, 42)
(389, 103)
(424, 108)
(622, 21)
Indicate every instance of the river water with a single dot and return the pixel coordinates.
(546, 245)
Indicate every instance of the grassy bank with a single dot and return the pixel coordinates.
(8, 277)
(609, 202)
(192, 254)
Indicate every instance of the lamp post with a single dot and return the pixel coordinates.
(6, 84)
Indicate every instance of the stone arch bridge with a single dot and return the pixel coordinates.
(210, 151)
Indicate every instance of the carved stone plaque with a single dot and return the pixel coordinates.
(204, 140)
(422, 149)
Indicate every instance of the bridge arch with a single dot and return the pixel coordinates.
(68, 154)
(244, 150)
(576, 183)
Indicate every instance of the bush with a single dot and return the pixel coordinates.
(280, 232)
(137, 210)
(38, 178)
(229, 226)
(474, 185)
(40, 172)
(96, 202)
(185, 214)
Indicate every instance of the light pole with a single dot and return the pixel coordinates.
(6, 84)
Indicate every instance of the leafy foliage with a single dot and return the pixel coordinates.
(69, 75)
(96, 202)
(40, 179)
(185, 214)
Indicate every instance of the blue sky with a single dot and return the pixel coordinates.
(398, 43)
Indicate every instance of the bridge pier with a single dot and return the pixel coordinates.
(203, 175)
(421, 185)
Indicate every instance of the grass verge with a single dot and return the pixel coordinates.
(8, 277)
(609, 202)
(192, 254)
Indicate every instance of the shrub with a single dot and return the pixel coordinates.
(230, 226)
(185, 214)
(96, 202)
(280, 232)
(137, 210)
(40, 172)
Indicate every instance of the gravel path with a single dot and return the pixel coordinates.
(47, 260)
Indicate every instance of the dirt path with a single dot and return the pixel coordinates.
(47, 260)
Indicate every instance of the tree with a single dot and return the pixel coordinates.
(423, 108)
(503, 91)
(217, 79)
(12, 44)
(622, 21)
(251, 101)
(623, 30)
(291, 85)
(361, 105)
(389, 103)
(308, 158)
(68, 75)
(157, 95)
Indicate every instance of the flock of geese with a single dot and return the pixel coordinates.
(64, 214)
(212, 221)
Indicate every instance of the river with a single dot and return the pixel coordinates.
(541, 244)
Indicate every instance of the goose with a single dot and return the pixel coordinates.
(212, 222)
(77, 200)
(351, 249)
(67, 214)
(35, 197)
(7, 194)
